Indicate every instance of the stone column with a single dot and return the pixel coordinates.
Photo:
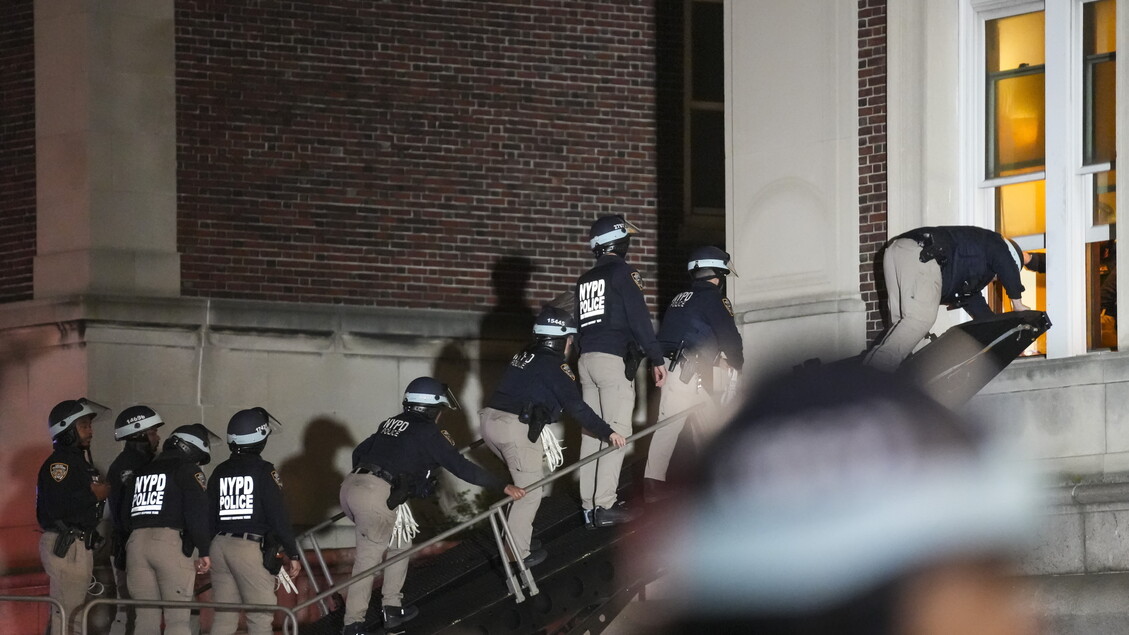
(105, 148)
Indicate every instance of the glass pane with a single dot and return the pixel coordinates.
(707, 29)
(1021, 209)
(1019, 125)
(1101, 295)
(1015, 42)
(707, 160)
(1101, 118)
(1105, 197)
(1100, 22)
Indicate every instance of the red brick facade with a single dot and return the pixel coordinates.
(392, 153)
(872, 155)
(17, 150)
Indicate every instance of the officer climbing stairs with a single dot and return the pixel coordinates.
(579, 588)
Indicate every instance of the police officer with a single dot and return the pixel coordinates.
(168, 521)
(697, 334)
(534, 389)
(930, 266)
(390, 466)
(68, 506)
(615, 335)
(251, 525)
(137, 426)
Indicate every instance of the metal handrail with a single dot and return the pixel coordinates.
(493, 509)
(41, 599)
(289, 625)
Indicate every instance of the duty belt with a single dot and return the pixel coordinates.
(375, 470)
(245, 535)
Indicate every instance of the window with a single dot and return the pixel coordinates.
(705, 108)
(1049, 131)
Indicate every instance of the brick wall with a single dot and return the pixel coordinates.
(17, 150)
(397, 153)
(872, 157)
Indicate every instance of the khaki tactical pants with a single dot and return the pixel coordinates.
(508, 438)
(69, 576)
(914, 290)
(156, 569)
(612, 396)
(239, 577)
(364, 500)
(677, 396)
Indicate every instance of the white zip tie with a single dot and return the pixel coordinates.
(286, 582)
(553, 449)
(405, 529)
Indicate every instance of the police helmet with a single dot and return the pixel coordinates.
(193, 441)
(427, 395)
(248, 429)
(709, 262)
(61, 420)
(611, 233)
(1016, 253)
(553, 326)
(134, 420)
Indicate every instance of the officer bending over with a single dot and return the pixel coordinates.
(168, 521)
(395, 463)
(251, 524)
(535, 388)
(697, 334)
(930, 266)
(68, 506)
(137, 426)
(615, 336)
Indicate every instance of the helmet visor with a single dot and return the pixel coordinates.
(621, 230)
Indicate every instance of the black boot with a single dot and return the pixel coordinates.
(397, 615)
(355, 628)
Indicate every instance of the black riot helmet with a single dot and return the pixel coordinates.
(611, 233)
(62, 419)
(193, 442)
(247, 431)
(553, 326)
(709, 262)
(427, 396)
(134, 421)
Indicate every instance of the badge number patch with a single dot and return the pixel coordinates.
(277, 480)
(637, 279)
(59, 471)
(200, 479)
(447, 435)
(728, 306)
(568, 371)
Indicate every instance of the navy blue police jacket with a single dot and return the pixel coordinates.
(612, 312)
(246, 497)
(701, 319)
(970, 258)
(540, 375)
(120, 476)
(171, 492)
(411, 444)
(62, 491)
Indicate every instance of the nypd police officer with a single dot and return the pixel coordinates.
(137, 427)
(535, 388)
(930, 266)
(697, 334)
(168, 521)
(68, 506)
(390, 466)
(615, 335)
(251, 525)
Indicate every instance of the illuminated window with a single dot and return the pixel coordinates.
(1049, 133)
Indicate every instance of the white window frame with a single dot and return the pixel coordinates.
(1069, 214)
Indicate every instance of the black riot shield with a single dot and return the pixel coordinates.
(966, 357)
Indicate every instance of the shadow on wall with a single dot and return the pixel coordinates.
(509, 320)
(311, 480)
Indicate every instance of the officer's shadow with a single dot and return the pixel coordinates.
(307, 477)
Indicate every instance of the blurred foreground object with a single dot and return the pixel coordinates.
(841, 499)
